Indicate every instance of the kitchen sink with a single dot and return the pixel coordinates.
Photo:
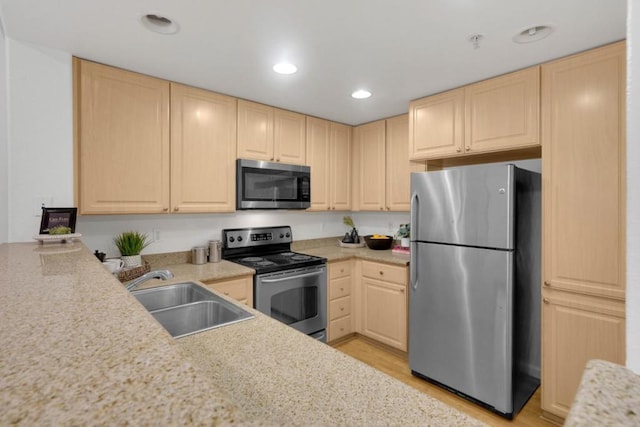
(171, 295)
(187, 308)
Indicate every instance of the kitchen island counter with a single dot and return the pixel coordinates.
(77, 348)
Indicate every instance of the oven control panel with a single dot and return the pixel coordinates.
(248, 237)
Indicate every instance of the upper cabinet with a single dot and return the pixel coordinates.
(122, 140)
(203, 150)
(144, 145)
(493, 115)
(329, 156)
(382, 168)
(271, 134)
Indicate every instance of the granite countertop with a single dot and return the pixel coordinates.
(77, 348)
(608, 395)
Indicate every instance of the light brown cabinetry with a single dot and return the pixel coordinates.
(583, 130)
(240, 289)
(383, 294)
(382, 165)
(271, 134)
(493, 115)
(576, 329)
(122, 140)
(203, 150)
(329, 156)
(340, 300)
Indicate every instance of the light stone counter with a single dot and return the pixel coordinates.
(608, 395)
(77, 349)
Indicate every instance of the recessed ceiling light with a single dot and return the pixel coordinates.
(361, 94)
(159, 24)
(533, 34)
(285, 68)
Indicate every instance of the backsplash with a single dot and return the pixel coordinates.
(178, 233)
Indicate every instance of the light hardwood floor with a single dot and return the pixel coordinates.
(396, 364)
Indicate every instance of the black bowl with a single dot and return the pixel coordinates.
(378, 244)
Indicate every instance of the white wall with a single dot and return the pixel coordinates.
(633, 190)
(40, 155)
(4, 142)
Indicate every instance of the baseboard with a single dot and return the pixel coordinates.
(554, 419)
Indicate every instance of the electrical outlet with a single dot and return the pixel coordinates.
(40, 202)
(156, 234)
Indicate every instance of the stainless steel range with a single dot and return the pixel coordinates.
(288, 286)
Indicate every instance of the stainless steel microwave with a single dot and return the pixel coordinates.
(270, 185)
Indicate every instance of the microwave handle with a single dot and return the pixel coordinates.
(300, 276)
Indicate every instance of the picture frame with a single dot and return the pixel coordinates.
(54, 217)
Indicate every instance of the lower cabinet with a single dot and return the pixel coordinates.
(240, 288)
(383, 303)
(340, 320)
(576, 328)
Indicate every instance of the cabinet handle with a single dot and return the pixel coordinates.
(226, 293)
(342, 270)
(278, 159)
(381, 208)
(328, 208)
(165, 210)
(341, 308)
(402, 291)
(272, 159)
(547, 283)
(388, 208)
(341, 289)
(468, 148)
(382, 273)
(333, 208)
(176, 209)
(341, 329)
(458, 149)
(545, 300)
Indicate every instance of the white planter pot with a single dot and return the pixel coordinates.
(131, 261)
(405, 242)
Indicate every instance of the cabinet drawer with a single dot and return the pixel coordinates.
(339, 308)
(339, 269)
(385, 272)
(339, 328)
(238, 289)
(339, 288)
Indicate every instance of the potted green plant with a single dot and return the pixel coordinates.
(130, 244)
(404, 234)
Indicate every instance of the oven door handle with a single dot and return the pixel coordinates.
(300, 276)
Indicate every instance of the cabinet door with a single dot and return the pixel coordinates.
(122, 146)
(203, 150)
(399, 168)
(289, 137)
(436, 125)
(576, 329)
(340, 167)
(384, 312)
(255, 131)
(371, 171)
(318, 135)
(583, 128)
(503, 113)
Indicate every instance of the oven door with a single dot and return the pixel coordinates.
(268, 185)
(295, 297)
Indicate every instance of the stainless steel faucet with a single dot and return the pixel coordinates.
(156, 274)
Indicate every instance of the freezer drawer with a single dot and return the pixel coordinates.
(460, 311)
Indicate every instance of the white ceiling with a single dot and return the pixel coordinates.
(397, 49)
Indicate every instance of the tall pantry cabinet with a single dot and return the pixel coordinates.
(583, 134)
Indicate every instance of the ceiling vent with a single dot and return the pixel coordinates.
(159, 24)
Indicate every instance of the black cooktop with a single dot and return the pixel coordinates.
(265, 249)
(268, 263)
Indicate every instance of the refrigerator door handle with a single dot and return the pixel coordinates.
(413, 251)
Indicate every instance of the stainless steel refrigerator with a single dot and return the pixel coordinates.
(474, 300)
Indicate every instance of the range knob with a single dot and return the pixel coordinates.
(231, 239)
(239, 238)
(288, 235)
(281, 235)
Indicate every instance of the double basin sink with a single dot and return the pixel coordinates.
(188, 308)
